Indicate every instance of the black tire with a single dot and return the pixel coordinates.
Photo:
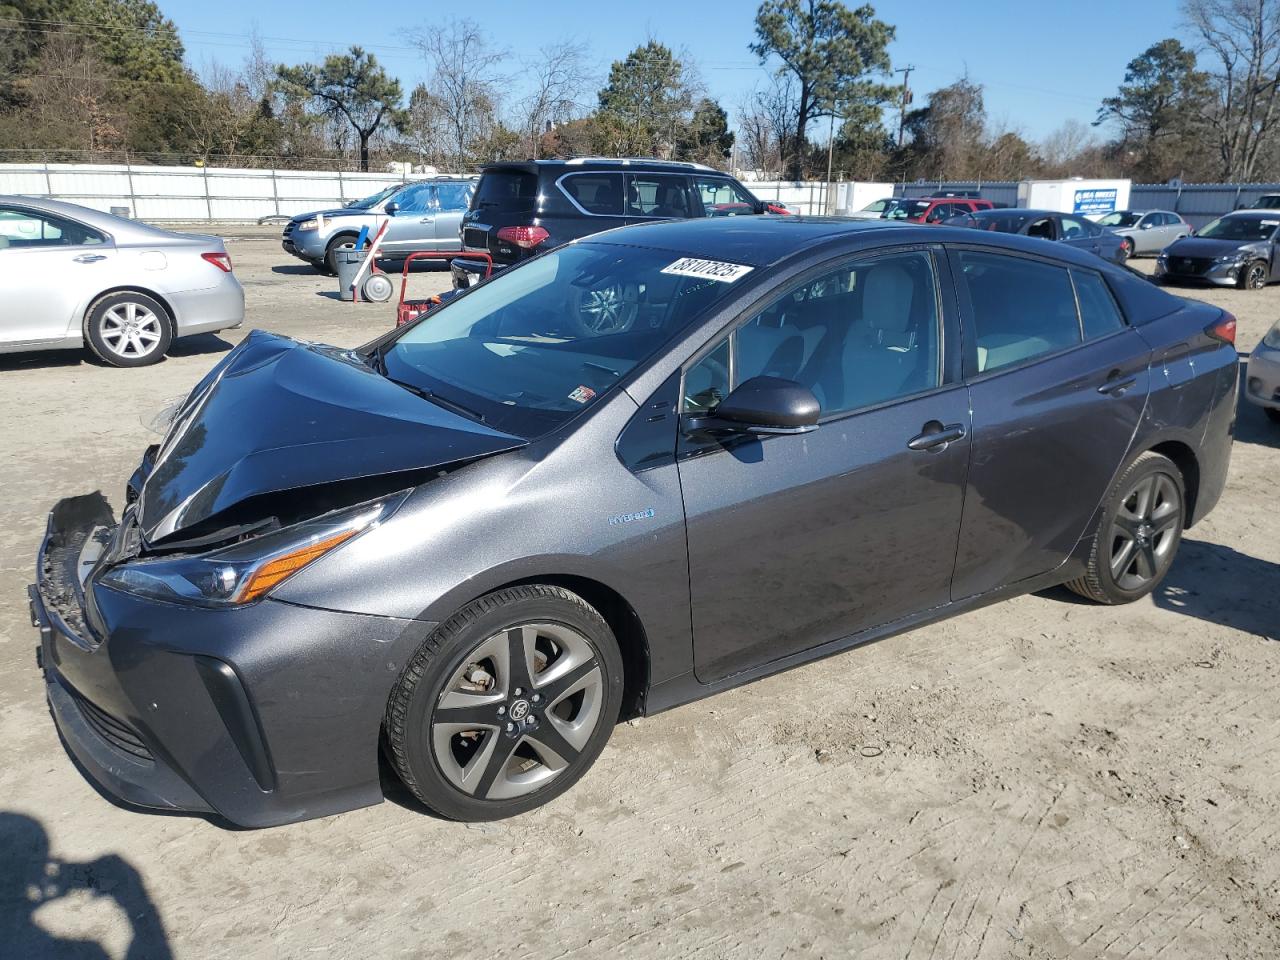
(128, 328)
(1126, 250)
(345, 240)
(458, 771)
(1153, 533)
(319, 267)
(1253, 276)
(1273, 414)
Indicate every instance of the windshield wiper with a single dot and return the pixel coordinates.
(600, 366)
(438, 400)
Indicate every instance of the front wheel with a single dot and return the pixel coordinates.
(1253, 276)
(331, 253)
(507, 704)
(1138, 533)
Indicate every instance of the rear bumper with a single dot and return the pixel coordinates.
(263, 715)
(214, 308)
(1262, 378)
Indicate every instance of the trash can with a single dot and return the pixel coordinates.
(349, 260)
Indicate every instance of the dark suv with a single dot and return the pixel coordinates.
(520, 209)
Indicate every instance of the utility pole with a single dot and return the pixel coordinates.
(906, 99)
(831, 142)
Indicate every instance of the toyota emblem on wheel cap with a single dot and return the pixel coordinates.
(519, 710)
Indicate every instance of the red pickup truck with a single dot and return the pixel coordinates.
(937, 209)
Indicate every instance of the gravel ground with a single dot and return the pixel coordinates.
(1043, 778)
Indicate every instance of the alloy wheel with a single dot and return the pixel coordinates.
(1256, 278)
(518, 711)
(131, 330)
(607, 310)
(1144, 533)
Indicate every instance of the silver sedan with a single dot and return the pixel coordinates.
(72, 277)
(1146, 231)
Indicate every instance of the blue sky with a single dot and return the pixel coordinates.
(1041, 62)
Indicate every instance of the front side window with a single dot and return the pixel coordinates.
(657, 196)
(1020, 308)
(596, 193)
(722, 197)
(28, 228)
(860, 335)
(414, 199)
(531, 348)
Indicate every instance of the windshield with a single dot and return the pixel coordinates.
(1121, 218)
(877, 207)
(370, 202)
(543, 341)
(1240, 228)
(902, 209)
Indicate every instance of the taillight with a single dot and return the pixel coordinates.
(1224, 329)
(526, 237)
(220, 260)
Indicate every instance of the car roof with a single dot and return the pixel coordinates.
(119, 227)
(603, 163)
(762, 241)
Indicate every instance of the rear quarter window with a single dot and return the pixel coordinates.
(1139, 298)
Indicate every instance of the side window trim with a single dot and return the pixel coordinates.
(950, 371)
(592, 173)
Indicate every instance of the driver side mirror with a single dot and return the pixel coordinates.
(762, 405)
(1144, 225)
(392, 208)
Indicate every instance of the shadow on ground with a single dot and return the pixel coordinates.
(1223, 586)
(31, 877)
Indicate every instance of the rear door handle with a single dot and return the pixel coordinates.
(88, 258)
(935, 435)
(1117, 385)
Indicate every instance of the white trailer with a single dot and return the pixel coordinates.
(852, 195)
(1091, 198)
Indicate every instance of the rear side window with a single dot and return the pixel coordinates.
(1099, 314)
(1020, 309)
(506, 190)
(596, 193)
(453, 196)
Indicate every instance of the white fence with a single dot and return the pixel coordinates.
(197, 194)
(191, 194)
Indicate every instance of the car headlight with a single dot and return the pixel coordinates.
(1235, 256)
(247, 571)
(311, 224)
(1272, 339)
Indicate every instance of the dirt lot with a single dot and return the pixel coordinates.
(1039, 779)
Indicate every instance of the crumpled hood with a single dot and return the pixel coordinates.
(279, 414)
(1203, 247)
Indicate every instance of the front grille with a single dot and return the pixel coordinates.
(477, 239)
(1190, 264)
(116, 732)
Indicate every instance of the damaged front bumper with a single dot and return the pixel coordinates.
(263, 714)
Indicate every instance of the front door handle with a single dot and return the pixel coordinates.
(427, 220)
(936, 436)
(88, 258)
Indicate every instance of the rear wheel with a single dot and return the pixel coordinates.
(1126, 250)
(506, 704)
(128, 329)
(1138, 533)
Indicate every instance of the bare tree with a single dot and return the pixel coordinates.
(1243, 39)
(465, 80)
(1065, 145)
(767, 121)
(559, 76)
(71, 104)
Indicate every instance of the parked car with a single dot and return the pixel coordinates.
(72, 277)
(935, 209)
(1236, 250)
(521, 209)
(1146, 231)
(1268, 201)
(1262, 381)
(483, 537)
(878, 209)
(424, 215)
(1074, 231)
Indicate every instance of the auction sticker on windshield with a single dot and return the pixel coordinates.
(707, 269)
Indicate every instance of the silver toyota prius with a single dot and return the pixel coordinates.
(72, 277)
